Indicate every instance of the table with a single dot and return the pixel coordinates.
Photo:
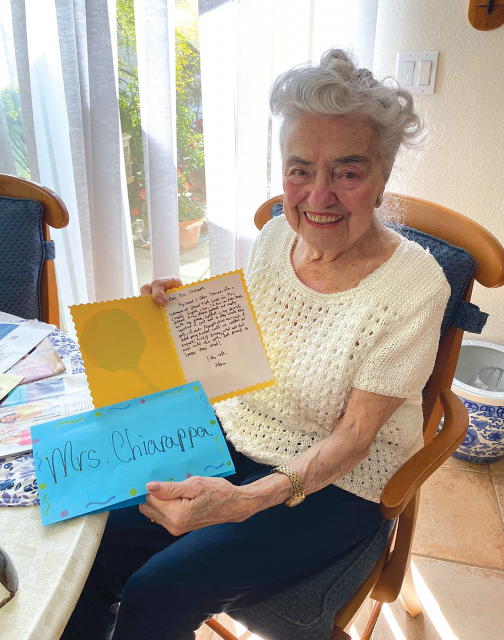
(52, 562)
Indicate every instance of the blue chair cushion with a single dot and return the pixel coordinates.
(23, 251)
(306, 611)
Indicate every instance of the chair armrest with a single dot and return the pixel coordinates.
(339, 634)
(407, 480)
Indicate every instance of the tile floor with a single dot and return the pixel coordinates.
(458, 560)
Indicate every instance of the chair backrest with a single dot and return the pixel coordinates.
(27, 210)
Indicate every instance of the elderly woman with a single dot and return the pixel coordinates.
(350, 313)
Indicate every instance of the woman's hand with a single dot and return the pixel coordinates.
(197, 502)
(158, 287)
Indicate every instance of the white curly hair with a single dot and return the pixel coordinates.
(338, 87)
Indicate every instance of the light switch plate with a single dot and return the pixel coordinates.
(416, 70)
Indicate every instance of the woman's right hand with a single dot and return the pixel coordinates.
(157, 289)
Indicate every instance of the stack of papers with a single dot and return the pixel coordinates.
(7, 383)
(18, 339)
(42, 362)
(36, 403)
(26, 354)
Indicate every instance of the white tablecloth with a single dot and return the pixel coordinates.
(52, 563)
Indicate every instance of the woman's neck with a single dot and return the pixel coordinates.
(342, 268)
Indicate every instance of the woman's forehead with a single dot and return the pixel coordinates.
(341, 136)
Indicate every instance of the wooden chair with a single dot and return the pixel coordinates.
(391, 576)
(55, 215)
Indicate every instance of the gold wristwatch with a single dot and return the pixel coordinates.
(299, 495)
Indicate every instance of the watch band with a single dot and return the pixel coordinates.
(297, 485)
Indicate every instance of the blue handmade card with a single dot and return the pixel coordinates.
(103, 458)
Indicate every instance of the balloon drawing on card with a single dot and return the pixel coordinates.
(208, 331)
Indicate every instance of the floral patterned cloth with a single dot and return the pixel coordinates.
(18, 482)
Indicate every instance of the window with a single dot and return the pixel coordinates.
(193, 235)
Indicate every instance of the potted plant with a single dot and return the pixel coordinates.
(191, 159)
(190, 155)
(191, 213)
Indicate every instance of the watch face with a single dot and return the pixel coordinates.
(294, 501)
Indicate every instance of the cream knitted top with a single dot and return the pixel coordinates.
(381, 336)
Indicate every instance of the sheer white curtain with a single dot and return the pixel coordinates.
(66, 63)
(245, 44)
(155, 37)
(63, 54)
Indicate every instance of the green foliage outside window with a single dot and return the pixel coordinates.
(14, 117)
(190, 160)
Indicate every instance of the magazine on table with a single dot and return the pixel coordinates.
(7, 384)
(55, 387)
(17, 339)
(15, 421)
(40, 363)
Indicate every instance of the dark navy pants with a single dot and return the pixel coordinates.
(168, 586)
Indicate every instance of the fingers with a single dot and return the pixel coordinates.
(158, 287)
(158, 518)
(171, 282)
(148, 511)
(145, 290)
(173, 490)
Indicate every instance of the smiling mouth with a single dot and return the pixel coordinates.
(322, 219)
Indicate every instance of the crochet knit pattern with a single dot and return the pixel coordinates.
(381, 336)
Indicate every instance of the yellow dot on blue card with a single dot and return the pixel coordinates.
(228, 464)
(42, 486)
(97, 414)
(133, 492)
(212, 421)
(196, 388)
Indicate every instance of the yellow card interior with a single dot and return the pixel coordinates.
(129, 351)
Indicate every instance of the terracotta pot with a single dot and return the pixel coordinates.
(189, 232)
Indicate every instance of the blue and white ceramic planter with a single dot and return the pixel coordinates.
(484, 442)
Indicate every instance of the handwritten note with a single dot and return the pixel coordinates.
(216, 336)
(102, 459)
(207, 332)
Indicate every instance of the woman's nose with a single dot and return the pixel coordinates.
(322, 195)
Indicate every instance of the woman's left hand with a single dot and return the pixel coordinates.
(197, 502)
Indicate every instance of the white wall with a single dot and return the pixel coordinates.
(463, 167)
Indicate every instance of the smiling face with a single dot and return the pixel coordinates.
(332, 175)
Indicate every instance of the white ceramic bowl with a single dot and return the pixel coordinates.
(484, 442)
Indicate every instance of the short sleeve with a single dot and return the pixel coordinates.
(401, 360)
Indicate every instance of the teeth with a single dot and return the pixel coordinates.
(322, 219)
